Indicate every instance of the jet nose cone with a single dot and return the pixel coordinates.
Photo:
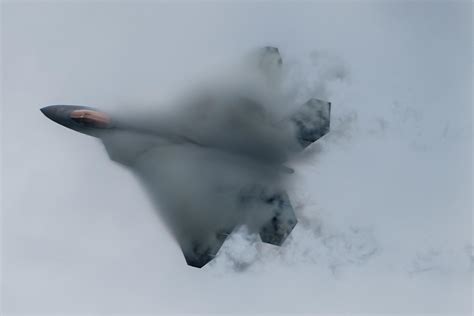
(80, 118)
(53, 112)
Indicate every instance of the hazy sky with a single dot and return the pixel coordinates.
(384, 203)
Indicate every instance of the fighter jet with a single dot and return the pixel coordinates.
(210, 174)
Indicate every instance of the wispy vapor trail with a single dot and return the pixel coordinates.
(384, 151)
(384, 201)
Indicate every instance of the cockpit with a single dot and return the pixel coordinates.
(91, 118)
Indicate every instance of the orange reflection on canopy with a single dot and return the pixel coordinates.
(91, 117)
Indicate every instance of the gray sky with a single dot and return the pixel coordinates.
(384, 204)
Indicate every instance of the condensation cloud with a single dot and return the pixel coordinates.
(383, 201)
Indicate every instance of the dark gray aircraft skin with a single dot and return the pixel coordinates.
(200, 227)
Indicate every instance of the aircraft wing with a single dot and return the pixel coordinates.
(194, 189)
(202, 194)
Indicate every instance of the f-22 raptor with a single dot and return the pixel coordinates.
(208, 179)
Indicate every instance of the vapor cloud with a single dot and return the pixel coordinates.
(384, 201)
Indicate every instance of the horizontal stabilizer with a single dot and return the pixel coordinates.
(282, 222)
(312, 121)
